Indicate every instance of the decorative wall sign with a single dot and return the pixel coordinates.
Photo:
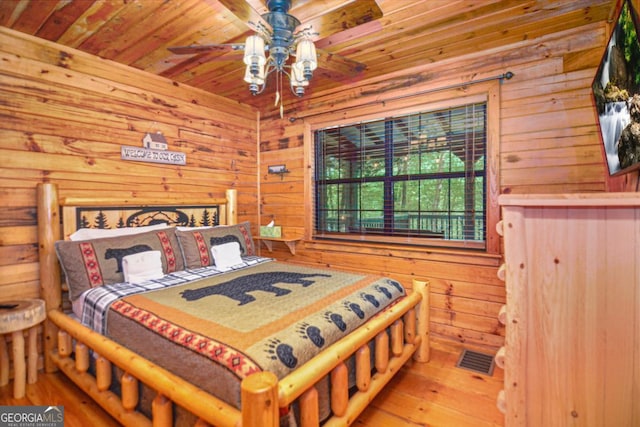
(149, 155)
(155, 140)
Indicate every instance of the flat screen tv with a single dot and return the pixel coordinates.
(616, 93)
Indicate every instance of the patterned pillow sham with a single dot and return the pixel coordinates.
(92, 263)
(196, 244)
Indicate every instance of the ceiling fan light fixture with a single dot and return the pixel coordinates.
(307, 57)
(254, 51)
(298, 80)
(281, 43)
(259, 67)
(280, 46)
(255, 80)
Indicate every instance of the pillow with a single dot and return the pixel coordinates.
(196, 244)
(184, 228)
(99, 233)
(142, 266)
(226, 255)
(91, 263)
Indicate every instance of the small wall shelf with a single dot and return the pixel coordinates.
(290, 242)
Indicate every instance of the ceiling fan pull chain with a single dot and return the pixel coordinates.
(281, 106)
(275, 104)
(278, 95)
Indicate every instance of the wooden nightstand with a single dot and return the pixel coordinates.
(16, 317)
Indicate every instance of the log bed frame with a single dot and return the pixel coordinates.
(261, 394)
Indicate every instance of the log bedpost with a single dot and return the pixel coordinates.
(423, 352)
(50, 281)
(232, 206)
(259, 394)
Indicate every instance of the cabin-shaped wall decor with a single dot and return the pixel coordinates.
(155, 140)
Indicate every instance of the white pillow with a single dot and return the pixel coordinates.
(142, 266)
(99, 233)
(226, 255)
(202, 227)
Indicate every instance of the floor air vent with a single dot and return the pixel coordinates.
(477, 362)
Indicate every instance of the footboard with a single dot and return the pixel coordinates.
(407, 322)
(75, 343)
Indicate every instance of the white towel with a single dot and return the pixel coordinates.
(142, 266)
(226, 255)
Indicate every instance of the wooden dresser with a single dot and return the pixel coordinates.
(572, 346)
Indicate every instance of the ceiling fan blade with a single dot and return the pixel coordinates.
(247, 14)
(339, 63)
(343, 18)
(204, 48)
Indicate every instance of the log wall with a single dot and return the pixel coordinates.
(548, 143)
(64, 117)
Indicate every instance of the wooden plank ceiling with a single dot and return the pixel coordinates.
(407, 34)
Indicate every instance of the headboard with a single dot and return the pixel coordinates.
(59, 217)
(105, 216)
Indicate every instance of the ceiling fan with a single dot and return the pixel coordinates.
(282, 36)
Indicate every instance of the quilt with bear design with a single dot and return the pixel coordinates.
(272, 316)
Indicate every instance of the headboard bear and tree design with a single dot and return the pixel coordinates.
(121, 217)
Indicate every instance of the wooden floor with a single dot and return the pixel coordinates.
(431, 394)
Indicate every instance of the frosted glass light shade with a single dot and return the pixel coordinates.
(254, 51)
(306, 54)
(297, 75)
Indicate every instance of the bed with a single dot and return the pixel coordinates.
(125, 369)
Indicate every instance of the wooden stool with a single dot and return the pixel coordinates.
(15, 318)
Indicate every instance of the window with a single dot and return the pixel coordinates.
(417, 178)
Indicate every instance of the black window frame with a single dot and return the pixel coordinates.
(405, 235)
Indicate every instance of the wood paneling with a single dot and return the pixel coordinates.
(548, 142)
(65, 115)
(387, 36)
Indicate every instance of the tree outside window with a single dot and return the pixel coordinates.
(420, 176)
